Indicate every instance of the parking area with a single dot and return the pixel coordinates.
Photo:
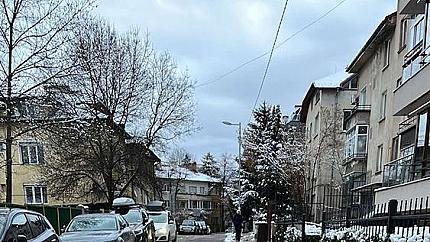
(220, 237)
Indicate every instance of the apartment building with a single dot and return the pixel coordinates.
(407, 175)
(322, 112)
(372, 133)
(388, 150)
(192, 194)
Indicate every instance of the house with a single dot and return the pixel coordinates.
(322, 112)
(191, 194)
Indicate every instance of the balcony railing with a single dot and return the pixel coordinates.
(400, 171)
(354, 156)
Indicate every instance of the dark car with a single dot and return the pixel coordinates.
(99, 227)
(142, 226)
(188, 227)
(18, 225)
(204, 228)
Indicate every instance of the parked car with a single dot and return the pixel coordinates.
(204, 228)
(165, 225)
(98, 227)
(142, 226)
(188, 227)
(137, 217)
(19, 225)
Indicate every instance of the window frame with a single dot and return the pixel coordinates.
(43, 194)
(383, 106)
(379, 158)
(386, 54)
(26, 146)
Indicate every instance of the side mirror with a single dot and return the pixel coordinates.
(63, 229)
(171, 221)
(21, 238)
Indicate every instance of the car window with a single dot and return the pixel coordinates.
(19, 226)
(188, 222)
(37, 224)
(122, 222)
(158, 217)
(3, 220)
(133, 217)
(93, 224)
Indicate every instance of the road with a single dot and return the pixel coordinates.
(202, 238)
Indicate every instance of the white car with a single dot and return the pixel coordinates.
(165, 226)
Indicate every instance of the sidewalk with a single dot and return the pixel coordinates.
(246, 237)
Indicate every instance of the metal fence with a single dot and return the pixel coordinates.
(405, 218)
(58, 216)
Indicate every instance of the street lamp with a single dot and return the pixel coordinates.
(239, 155)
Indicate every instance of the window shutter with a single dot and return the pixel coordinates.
(24, 154)
(41, 154)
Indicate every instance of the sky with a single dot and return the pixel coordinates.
(211, 37)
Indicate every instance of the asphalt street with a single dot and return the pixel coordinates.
(202, 238)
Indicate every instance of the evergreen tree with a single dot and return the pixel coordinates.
(210, 166)
(266, 167)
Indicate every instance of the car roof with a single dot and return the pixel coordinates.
(11, 211)
(96, 215)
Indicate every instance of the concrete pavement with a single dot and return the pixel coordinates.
(219, 237)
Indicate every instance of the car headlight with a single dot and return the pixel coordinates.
(162, 231)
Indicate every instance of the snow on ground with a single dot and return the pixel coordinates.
(247, 237)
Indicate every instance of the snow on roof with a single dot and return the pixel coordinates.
(185, 174)
(333, 80)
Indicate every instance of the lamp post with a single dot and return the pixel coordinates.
(239, 155)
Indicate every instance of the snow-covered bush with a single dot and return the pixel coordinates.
(354, 235)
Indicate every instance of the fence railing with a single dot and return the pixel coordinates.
(404, 218)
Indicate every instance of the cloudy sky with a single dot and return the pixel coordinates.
(212, 37)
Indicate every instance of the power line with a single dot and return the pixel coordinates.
(270, 57)
(277, 46)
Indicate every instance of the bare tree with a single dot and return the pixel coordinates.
(33, 36)
(122, 93)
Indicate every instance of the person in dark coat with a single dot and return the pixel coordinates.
(237, 222)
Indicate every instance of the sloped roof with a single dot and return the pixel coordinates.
(185, 174)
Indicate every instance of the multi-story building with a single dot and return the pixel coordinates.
(192, 194)
(407, 175)
(322, 112)
(371, 127)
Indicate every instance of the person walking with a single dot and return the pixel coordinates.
(237, 222)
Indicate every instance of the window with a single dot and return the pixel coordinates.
(207, 204)
(202, 190)
(346, 114)
(379, 158)
(317, 96)
(31, 153)
(403, 33)
(182, 204)
(37, 224)
(22, 227)
(395, 148)
(362, 98)
(386, 53)
(36, 194)
(383, 107)
(166, 187)
(356, 141)
(310, 132)
(194, 204)
(317, 124)
(193, 189)
(416, 32)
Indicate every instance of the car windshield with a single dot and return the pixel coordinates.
(202, 223)
(158, 217)
(133, 217)
(188, 222)
(93, 224)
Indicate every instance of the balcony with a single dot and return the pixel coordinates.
(413, 93)
(401, 171)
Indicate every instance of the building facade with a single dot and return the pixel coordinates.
(192, 195)
(322, 112)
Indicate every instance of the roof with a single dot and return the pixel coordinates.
(333, 81)
(185, 174)
(384, 29)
